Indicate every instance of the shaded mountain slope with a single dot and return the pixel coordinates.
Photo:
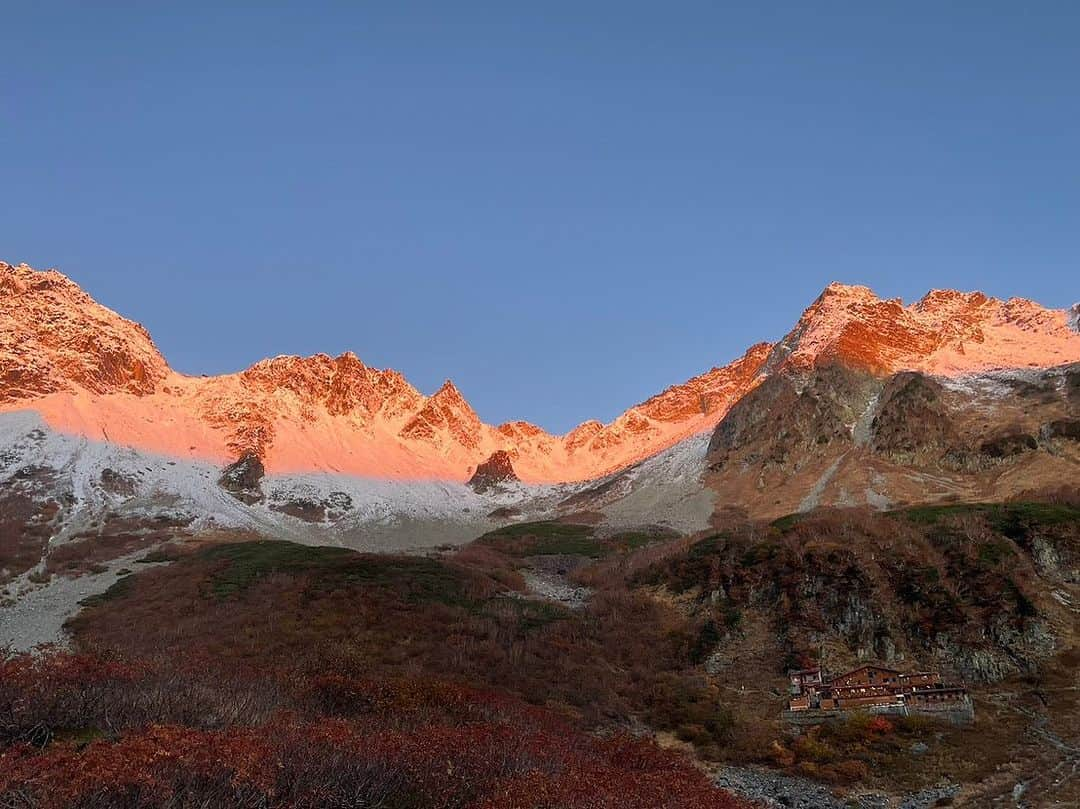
(837, 435)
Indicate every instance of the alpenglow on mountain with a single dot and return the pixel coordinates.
(87, 371)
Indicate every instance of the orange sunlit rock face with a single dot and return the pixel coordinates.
(88, 371)
(947, 333)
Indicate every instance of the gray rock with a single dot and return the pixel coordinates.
(776, 791)
(929, 798)
(1018, 792)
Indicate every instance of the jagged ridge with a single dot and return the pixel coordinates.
(91, 372)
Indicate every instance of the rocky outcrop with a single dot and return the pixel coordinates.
(327, 509)
(789, 421)
(495, 470)
(912, 422)
(773, 790)
(979, 593)
(243, 479)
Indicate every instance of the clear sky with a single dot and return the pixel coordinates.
(563, 206)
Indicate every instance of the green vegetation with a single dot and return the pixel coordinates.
(300, 610)
(787, 522)
(545, 539)
(158, 555)
(992, 554)
(246, 562)
(552, 538)
(530, 614)
(416, 579)
(707, 546)
(757, 554)
(1015, 520)
(1011, 519)
(121, 588)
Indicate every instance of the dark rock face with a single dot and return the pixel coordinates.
(303, 509)
(1008, 444)
(1064, 428)
(787, 419)
(496, 469)
(243, 477)
(911, 420)
(837, 436)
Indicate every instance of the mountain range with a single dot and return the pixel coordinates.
(90, 372)
(885, 482)
(958, 397)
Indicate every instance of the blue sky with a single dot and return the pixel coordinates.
(565, 207)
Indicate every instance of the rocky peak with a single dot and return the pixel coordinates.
(344, 385)
(336, 413)
(852, 325)
(54, 337)
(1074, 317)
(447, 414)
(946, 331)
(351, 388)
(949, 300)
(582, 434)
(307, 377)
(450, 396)
(520, 429)
(837, 291)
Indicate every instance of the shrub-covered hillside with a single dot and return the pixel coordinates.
(273, 674)
(989, 595)
(969, 589)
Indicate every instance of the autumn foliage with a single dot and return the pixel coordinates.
(83, 732)
(266, 675)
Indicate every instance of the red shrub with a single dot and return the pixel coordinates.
(880, 724)
(414, 743)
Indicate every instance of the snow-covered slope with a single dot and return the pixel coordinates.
(96, 481)
(90, 372)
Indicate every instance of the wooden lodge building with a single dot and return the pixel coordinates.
(875, 689)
